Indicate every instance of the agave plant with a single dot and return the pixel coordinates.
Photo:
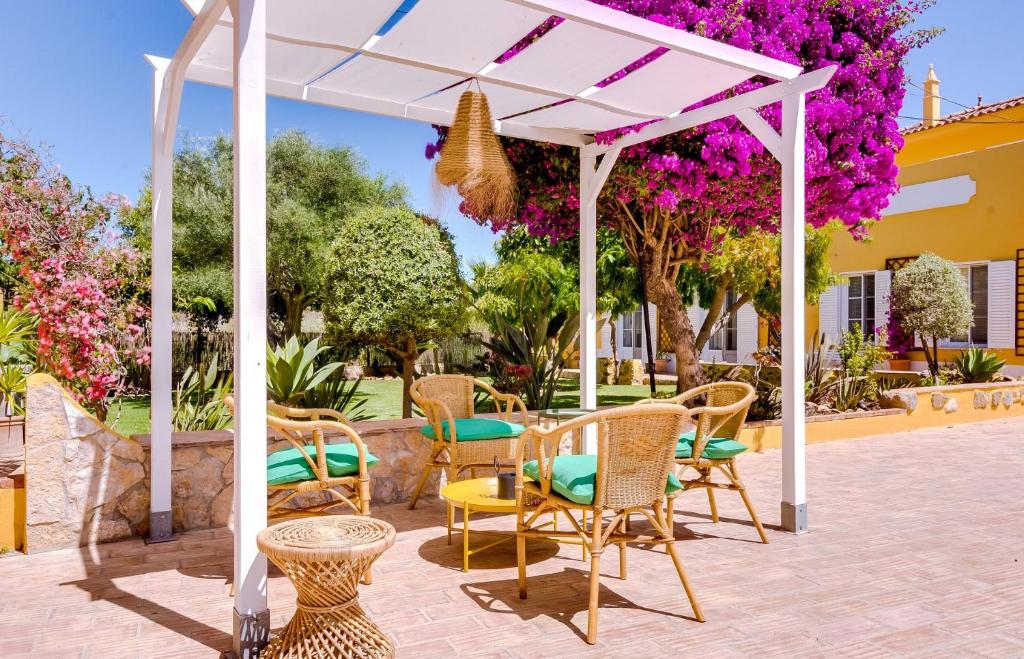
(977, 365)
(541, 346)
(199, 400)
(292, 370)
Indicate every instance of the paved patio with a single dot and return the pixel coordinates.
(917, 549)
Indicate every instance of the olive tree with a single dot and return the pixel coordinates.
(930, 295)
(392, 280)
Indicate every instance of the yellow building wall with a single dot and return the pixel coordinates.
(989, 227)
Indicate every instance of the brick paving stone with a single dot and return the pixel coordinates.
(907, 556)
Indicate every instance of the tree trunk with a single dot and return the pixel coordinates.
(408, 357)
(665, 296)
(615, 348)
(295, 306)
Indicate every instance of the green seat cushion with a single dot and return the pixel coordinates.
(471, 430)
(289, 466)
(574, 476)
(717, 448)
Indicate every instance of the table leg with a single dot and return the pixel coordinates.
(465, 538)
(450, 512)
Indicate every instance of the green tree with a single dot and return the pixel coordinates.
(311, 190)
(393, 281)
(750, 266)
(931, 297)
(529, 300)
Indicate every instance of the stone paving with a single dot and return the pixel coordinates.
(916, 549)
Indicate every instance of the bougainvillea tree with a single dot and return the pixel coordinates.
(82, 281)
(676, 198)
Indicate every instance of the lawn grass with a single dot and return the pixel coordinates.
(383, 398)
(129, 416)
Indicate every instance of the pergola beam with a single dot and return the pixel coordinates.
(794, 489)
(193, 40)
(621, 23)
(161, 324)
(762, 130)
(251, 616)
(725, 108)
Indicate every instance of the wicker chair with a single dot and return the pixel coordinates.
(339, 471)
(631, 474)
(713, 443)
(460, 441)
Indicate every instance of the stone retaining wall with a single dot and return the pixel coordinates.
(86, 483)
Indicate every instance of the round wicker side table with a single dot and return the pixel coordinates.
(324, 557)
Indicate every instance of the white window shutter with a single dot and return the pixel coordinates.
(746, 334)
(883, 280)
(828, 314)
(1001, 275)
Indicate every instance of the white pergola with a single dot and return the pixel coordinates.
(409, 59)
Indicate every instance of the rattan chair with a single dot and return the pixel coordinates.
(628, 475)
(339, 471)
(447, 402)
(713, 443)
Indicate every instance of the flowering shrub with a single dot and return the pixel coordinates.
(670, 198)
(77, 275)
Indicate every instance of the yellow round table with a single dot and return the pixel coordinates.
(480, 495)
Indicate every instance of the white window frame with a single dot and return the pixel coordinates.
(844, 301)
(965, 268)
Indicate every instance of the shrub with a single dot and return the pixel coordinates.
(858, 356)
(977, 365)
(199, 400)
(931, 297)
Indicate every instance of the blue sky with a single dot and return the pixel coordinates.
(73, 76)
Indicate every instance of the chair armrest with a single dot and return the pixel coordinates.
(545, 447)
(512, 403)
(436, 413)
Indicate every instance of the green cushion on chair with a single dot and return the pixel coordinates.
(289, 466)
(471, 430)
(717, 448)
(574, 476)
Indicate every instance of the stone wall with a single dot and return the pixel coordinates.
(77, 474)
(86, 484)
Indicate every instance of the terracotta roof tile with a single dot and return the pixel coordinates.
(979, 111)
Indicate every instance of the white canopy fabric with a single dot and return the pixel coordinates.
(412, 59)
(358, 55)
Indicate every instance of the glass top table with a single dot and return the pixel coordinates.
(563, 413)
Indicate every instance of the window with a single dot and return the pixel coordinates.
(725, 337)
(632, 330)
(860, 304)
(976, 277)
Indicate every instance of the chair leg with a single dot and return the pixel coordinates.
(419, 485)
(596, 549)
(746, 501)
(595, 592)
(521, 563)
(622, 561)
(711, 502)
(697, 612)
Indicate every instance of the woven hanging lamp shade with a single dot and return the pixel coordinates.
(474, 162)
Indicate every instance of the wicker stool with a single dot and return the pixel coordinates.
(325, 557)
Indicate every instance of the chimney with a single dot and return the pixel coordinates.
(932, 111)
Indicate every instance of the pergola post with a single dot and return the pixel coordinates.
(160, 526)
(588, 292)
(251, 616)
(794, 490)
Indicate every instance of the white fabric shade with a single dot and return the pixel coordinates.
(355, 54)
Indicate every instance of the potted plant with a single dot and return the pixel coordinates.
(899, 342)
(661, 363)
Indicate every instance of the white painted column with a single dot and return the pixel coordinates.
(251, 617)
(794, 490)
(588, 294)
(160, 524)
